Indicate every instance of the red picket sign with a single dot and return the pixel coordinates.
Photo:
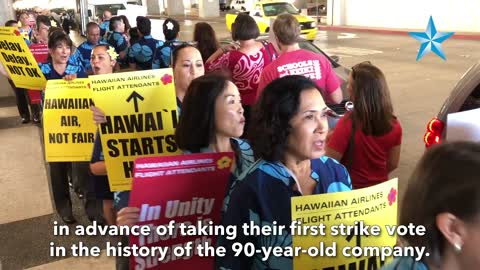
(185, 189)
(40, 53)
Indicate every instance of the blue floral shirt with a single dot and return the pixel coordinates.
(104, 26)
(263, 195)
(405, 263)
(163, 54)
(141, 52)
(51, 74)
(118, 41)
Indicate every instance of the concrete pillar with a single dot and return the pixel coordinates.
(6, 13)
(175, 7)
(208, 8)
(154, 7)
(336, 10)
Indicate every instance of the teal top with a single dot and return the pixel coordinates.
(405, 263)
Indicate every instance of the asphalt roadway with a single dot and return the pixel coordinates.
(418, 88)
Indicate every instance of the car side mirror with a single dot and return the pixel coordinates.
(335, 58)
(89, 13)
(257, 14)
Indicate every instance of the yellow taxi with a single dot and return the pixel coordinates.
(264, 11)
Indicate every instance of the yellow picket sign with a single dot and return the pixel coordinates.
(19, 61)
(141, 114)
(337, 247)
(68, 127)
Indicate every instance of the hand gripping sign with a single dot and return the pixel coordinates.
(18, 61)
(141, 116)
(69, 131)
(179, 197)
(342, 223)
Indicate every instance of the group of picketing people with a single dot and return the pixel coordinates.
(268, 103)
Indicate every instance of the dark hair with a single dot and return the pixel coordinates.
(91, 25)
(134, 37)
(244, 28)
(126, 22)
(170, 34)
(54, 29)
(105, 46)
(373, 109)
(11, 23)
(196, 126)
(42, 19)
(286, 29)
(206, 39)
(177, 50)
(269, 124)
(113, 23)
(144, 25)
(56, 37)
(444, 181)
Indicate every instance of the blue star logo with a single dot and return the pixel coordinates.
(431, 40)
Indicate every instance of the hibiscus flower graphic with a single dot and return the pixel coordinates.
(167, 79)
(224, 162)
(392, 196)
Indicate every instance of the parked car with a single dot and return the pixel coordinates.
(342, 72)
(465, 96)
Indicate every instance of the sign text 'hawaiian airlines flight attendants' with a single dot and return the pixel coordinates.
(141, 116)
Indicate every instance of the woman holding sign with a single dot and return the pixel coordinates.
(103, 61)
(58, 67)
(443, 197)
(219, 127)
(289, 128)
(187, 65)
(216, 129)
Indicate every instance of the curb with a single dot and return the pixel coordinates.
(460, 35)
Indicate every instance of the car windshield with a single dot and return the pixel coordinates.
(275, 9)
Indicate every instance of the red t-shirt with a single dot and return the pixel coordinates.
(244, 69)
(302, 62)
(370, 153)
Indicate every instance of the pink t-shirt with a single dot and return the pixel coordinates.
(244, 69)
(302, 62)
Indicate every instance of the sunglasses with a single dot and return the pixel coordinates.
(364, 63)
(177, 44)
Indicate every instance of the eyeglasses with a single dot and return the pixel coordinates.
(358, 65)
